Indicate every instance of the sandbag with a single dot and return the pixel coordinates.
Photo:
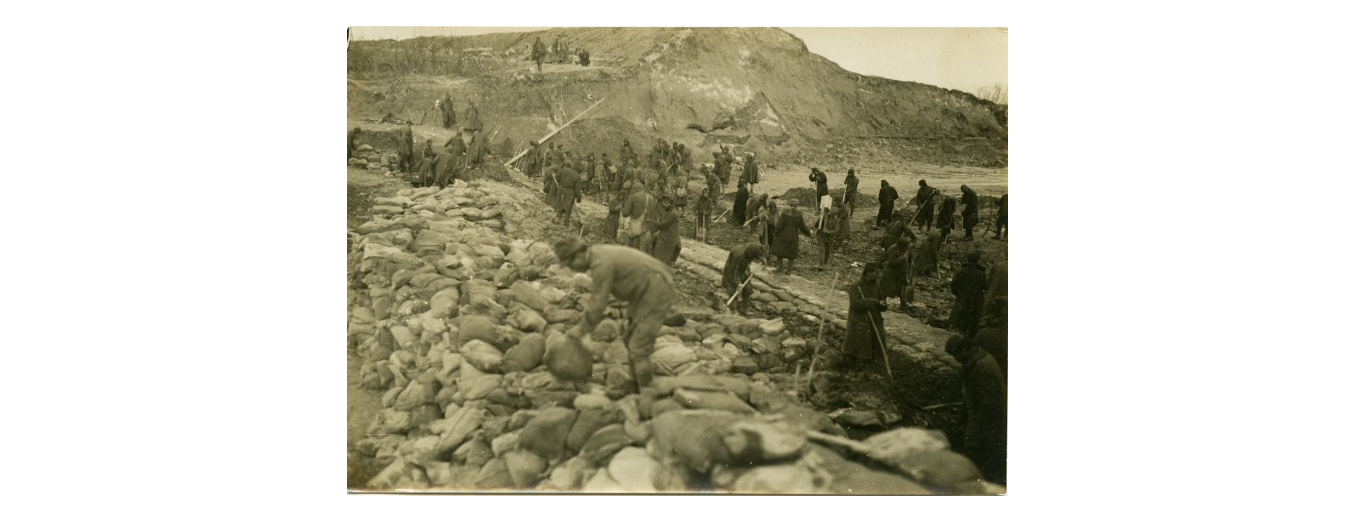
(566, 358)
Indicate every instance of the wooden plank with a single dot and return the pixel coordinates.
(556, 131)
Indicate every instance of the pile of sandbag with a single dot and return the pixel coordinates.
(453, 320)
(373, 159)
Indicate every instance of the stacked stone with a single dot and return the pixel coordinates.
(452, 319)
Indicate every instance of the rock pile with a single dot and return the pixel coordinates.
(453, 318)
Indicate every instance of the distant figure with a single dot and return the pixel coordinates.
(407, 148)
(819, 179)
(583, 58)
(353, 134)
(569, 193)
(750, 174)
(970, 199)
(613, 218)
(534, 158)
(925, 204)
(472, 118)
(945, 220)
(712, 183)
(924, 255)
(830, 232)
(667, 234)
(704, 206)
(448, 112)
(968, 286)
(887, 195)
(627, 153)
(538, 53)
(896, 274)
(740, 204)
(785, 245)
(852, 190)
(1001, 216)
(640, 208)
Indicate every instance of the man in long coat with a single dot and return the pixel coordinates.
(887, 195)
(704, 206)
(945, 220)
(984, 387)
(641, 208)
(926, 204)
(750, 174)
(569, 194)
(740, 204)
(924, 254)
(894, 277)
(737, 268)
(968, 286)
(444, 171)
(538, 53)
(448, 112)
(472, 118)
(667, 234)
(863, 341)
(970, 199)
(785, 245)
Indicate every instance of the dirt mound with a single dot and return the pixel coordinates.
(659, 81)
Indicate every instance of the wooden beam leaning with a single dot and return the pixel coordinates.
(556, 131)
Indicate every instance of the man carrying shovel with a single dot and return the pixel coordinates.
(737, 272)
(632, 276)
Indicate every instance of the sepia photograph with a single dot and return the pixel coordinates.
(663, 260)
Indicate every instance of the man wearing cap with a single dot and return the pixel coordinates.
(667, 234)
(640, 280)
(863, 340)
(852, 190)
(968, 286)
(970, 200)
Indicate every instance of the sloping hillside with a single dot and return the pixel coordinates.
(763, 86)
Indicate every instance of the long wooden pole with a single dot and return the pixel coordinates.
(556, 131)
(819, 342)
(876, 327)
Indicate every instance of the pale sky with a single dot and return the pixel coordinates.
(966, 59)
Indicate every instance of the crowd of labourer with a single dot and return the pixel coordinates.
(647, 197)
(435, 164)
(644, 196)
